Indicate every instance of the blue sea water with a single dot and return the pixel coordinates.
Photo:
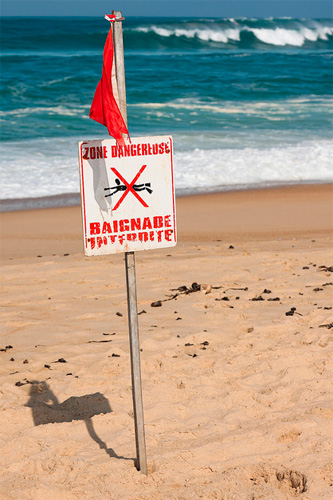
(248, 101)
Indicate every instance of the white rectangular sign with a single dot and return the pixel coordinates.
(128, 196)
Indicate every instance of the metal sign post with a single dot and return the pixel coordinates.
(130, 275)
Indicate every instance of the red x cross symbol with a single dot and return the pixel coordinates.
(129, 187)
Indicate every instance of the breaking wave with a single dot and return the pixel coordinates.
(233, 33)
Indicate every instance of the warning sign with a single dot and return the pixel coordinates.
(127, 193)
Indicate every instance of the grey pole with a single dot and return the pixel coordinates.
(130, 275)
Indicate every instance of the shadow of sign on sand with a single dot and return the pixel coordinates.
(46, 409)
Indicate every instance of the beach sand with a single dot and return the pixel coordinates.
(237, 376)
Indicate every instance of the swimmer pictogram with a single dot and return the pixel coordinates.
(127, 187)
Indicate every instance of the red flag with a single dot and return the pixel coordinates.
(104, 108)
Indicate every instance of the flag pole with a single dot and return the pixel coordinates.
(141, 463)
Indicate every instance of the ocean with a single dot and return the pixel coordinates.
(247, 101)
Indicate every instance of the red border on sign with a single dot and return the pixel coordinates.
(83, 199)
(173, 192)
(83, 193)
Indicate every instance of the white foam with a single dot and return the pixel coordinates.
(219, 36)
(263, 109)
(162, 31)
(277, 36)
(50, 167)
(294, 37)
(224, 168)
(309, 34)
(205, 34)
(49, 110)
(40, 167)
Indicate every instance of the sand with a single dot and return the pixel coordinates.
(237, 376)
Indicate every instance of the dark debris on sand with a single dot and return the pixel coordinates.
(328, 269)
(327, 325)
(181, 290)
(4, 349)
(98, 341)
